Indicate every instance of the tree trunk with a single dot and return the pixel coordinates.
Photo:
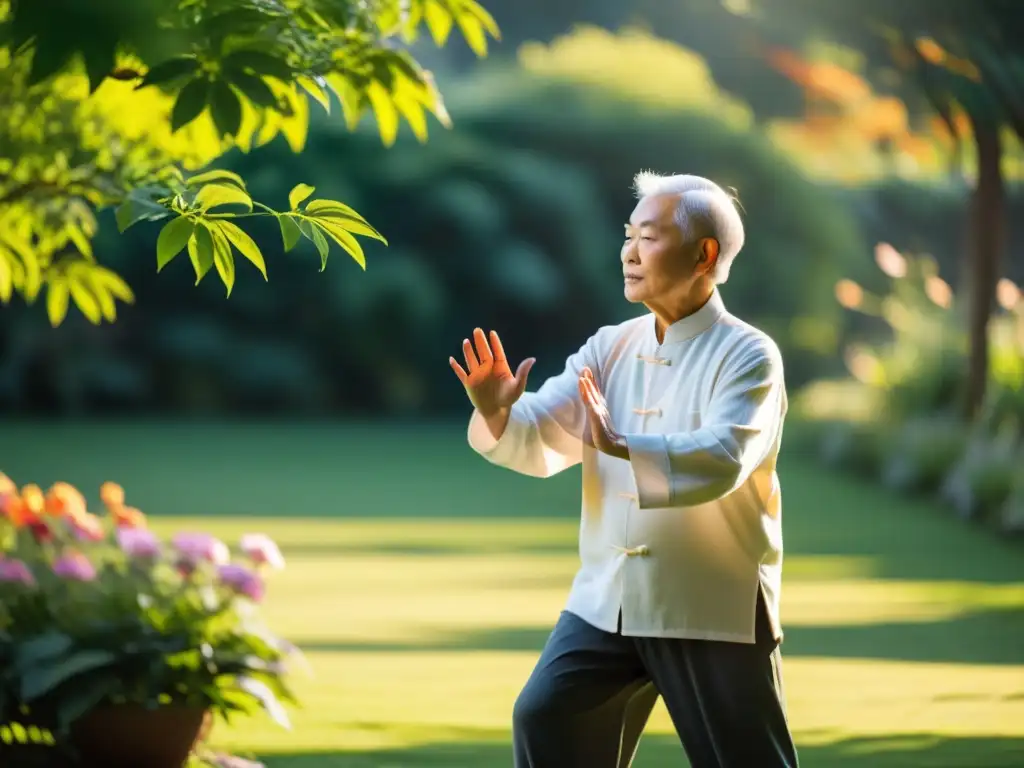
(987, 241)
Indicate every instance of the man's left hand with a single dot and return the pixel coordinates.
(600, 429)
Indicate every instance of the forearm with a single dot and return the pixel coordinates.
(688, 469)
(524, 441)
(497, 422)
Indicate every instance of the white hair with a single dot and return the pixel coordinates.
(705, 210)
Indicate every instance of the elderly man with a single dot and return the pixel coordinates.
(676, 417)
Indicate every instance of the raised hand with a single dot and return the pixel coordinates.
(599, 432)
(489, 382)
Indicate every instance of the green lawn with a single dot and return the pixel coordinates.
(422, 583)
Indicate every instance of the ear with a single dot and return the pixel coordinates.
(708, 254)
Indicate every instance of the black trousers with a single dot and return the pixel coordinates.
(591, 693)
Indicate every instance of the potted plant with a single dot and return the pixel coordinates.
(106, 629)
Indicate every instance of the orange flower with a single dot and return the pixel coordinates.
(112, 495)
(128, 517)
(14, 509)
(7, 486)
(849, 294)
(88, 527)
(64, 500)
(939, 292)
(930, 50)
(32, 497)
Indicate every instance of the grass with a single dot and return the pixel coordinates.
(422, 584)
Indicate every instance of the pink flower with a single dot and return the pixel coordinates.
(138, 543)
(262, 550)
(198, 547)
(15, 571)
(242, 581)
(76, 567)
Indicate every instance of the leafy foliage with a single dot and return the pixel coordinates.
(920, 362)
(109, 104)
(915, 372)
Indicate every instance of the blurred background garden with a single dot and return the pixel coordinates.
(879, 176)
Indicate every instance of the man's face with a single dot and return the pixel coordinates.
(657, 265)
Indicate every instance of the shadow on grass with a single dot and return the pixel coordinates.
(978, 637)
(984, 637)
(661, 751)
(829, 513)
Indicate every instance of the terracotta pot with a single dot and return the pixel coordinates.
(133, 737)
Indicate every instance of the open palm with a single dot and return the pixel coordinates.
(489, 382)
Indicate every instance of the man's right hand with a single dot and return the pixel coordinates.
(489, 382)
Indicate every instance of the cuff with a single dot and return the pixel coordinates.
(482, 441)
(648, 457)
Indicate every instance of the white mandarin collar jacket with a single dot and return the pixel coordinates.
(680, 537)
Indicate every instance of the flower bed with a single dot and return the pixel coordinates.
(104, 625)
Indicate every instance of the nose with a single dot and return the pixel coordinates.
(629, 253)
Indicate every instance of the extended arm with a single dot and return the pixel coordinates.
(544, 429)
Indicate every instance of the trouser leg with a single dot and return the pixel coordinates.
(725, 699)
(586, 702)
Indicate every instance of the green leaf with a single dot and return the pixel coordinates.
(216, 175)
(99, 58)
(84, 299)
(316, 87)
(104, 297)
(439, 21)
(385, 111)
(415, 115)
(351, 98)
(112, 283)
(245, 245)
(200, 251)
(48, 59)
(57, 300)
(215, 195)
(322, 246)
(484, 16)
(138, 208)
(225, 108)
(76, 236)
(345, 240)
(190, 103)
(253, 86)
(473, 32)
(33, 280)
(172, 69)
(299, 193)
(6, 277)
(261, 64)
(223, 259)
(38, 681)
(290, 232)
(172, 240)
(43, 647)
(343, 216)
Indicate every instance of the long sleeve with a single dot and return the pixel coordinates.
(736, 434)
(544, 431)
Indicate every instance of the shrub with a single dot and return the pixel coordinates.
(922, 453)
